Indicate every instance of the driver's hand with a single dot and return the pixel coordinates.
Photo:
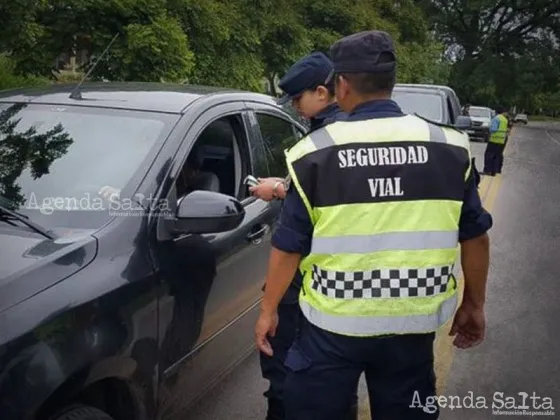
(265, 189)
(109, 192)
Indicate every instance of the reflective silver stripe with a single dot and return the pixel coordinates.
(321, 139)
(372, 325)
(436, 134)
(362, 244)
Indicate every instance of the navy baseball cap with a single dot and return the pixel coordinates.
(360, 52)
(308, 73)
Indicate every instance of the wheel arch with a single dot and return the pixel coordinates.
(114, 394)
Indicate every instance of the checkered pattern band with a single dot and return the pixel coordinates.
(384, 283)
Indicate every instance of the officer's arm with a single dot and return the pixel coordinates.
(291, 241)
(494, 125)
(475, 245)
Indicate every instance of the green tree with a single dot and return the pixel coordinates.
(497, 47)
(284, 37)
(224, 40)
(151, 46)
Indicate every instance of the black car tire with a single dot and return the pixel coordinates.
(82, 412)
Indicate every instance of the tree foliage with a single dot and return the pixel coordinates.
(503, 51)
(233, 43)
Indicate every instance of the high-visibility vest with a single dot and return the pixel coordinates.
(384, 197)
(499, 136)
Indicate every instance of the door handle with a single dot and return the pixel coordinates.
(256, 236)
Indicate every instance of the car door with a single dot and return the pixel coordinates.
(212, 286)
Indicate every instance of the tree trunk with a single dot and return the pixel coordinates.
(271, 85)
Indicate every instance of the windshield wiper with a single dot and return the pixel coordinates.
(25, 220)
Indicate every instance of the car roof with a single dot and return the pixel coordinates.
(421, 86)
(155, 97)
(479, 107)
(417, 89)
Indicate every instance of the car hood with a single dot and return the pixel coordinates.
(30, 263)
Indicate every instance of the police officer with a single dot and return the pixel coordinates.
(494, 153)
(376, 206)
(304, 85)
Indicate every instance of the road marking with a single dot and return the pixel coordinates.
(552, 138)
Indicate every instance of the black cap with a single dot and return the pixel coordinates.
(308, 73)
(360, 52)
(500, 109)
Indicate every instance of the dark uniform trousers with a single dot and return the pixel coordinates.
(493, 158)
(274, 369)
(324, 370)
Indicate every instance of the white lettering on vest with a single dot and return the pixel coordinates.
(342, 163)
(382, 156)
(385, 187)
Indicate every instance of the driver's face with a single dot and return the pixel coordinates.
(189, 172)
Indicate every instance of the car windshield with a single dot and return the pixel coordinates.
(480, 112)
(56, 162)
(426, 104)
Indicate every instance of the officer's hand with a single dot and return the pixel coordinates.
(469, 326)
(265, 190)
(266, 326)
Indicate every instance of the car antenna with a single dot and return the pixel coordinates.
(76, 94)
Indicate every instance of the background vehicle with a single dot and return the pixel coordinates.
(433, 102)
(521, 118)
(129, 306)
(481, 118)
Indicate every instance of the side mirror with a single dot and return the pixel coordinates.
(463, 122)
(207, 212)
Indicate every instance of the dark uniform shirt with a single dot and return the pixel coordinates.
(329, 115)
(294, 231)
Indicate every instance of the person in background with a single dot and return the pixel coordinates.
(305, 85)
(377, 283)
(494, 153)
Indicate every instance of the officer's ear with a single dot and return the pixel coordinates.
(323, 93)
(342, 88)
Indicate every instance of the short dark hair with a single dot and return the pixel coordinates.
(329, 86)
(371, 83)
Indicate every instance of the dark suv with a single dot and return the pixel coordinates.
(132, 256)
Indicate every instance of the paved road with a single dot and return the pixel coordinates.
(522, 350)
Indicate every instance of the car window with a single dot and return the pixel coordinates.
(425, 104)
(480, 112)
(57, 162)
(278, 135)
(218, 160)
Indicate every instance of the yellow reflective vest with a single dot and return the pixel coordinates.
(499, 136)
(384, 197)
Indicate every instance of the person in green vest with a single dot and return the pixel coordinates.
(374, 214)
(494, 154)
